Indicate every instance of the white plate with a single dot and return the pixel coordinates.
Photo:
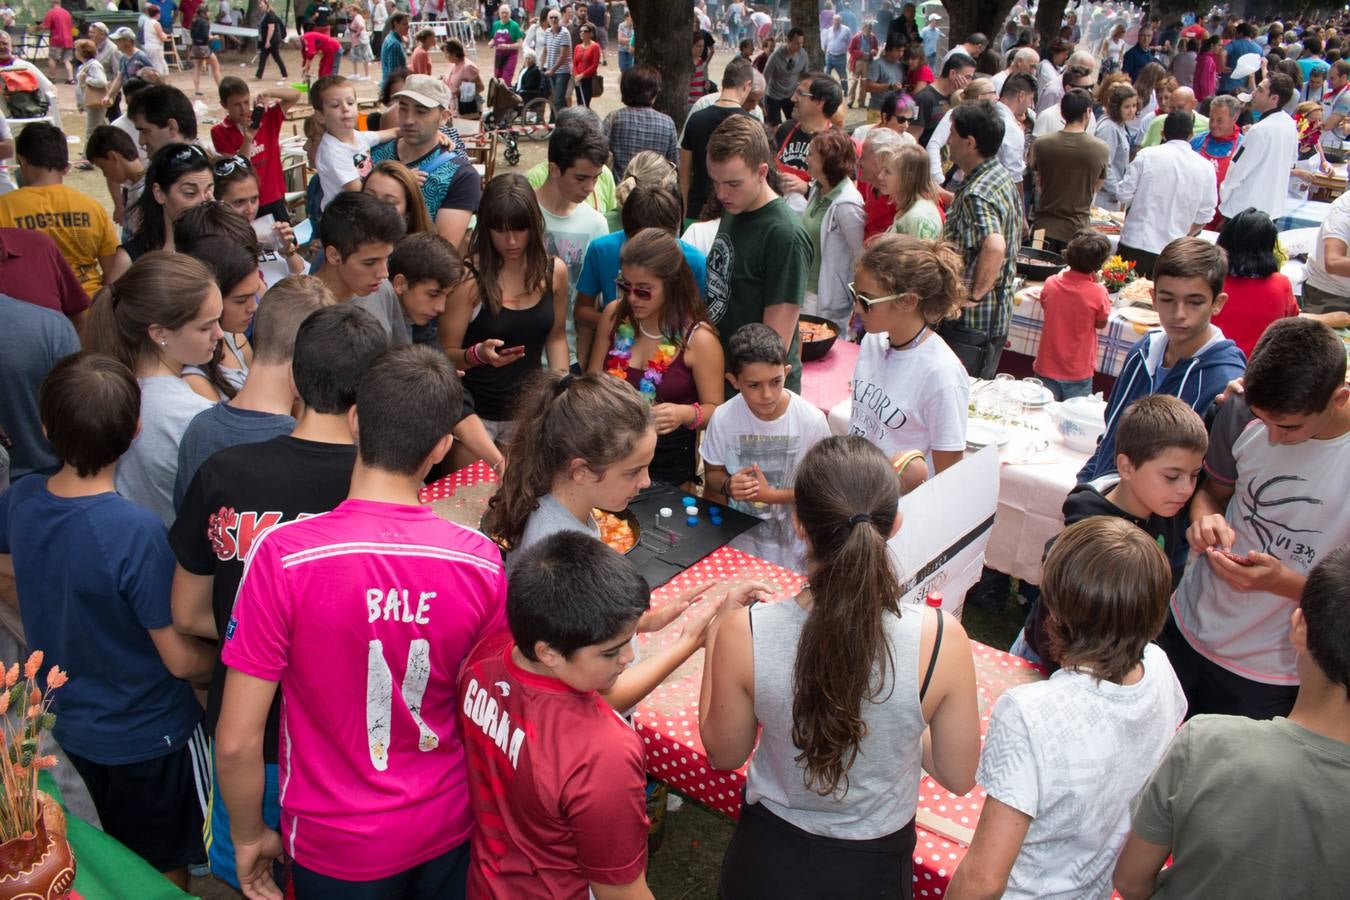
(1139, 316)
(981, 433)
(1030, 395)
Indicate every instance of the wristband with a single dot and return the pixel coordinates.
(698, 416)
(471, 356)
(902, 462)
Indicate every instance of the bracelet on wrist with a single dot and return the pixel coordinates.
(471, 356)
(698, 417)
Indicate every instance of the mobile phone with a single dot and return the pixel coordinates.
(511, 351)
(256, 119)
(1229, 555)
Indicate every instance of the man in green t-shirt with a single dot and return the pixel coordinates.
(758, 263)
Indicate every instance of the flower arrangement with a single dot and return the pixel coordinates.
(1117, 273)
(22, 756)
(621, 353)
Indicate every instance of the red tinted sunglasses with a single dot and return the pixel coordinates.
(625, 287)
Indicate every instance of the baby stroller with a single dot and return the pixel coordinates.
(513, 116)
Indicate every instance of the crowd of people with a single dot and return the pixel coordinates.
(232, 430)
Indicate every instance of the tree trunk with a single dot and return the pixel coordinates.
(805, 14)
(1049, 19)
(970, 16)
(657, 25)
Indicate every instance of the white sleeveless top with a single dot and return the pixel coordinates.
(883, 783)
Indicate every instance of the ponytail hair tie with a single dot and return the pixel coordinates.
(563, 384)
(859, 519)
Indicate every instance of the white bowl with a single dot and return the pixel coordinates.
(1080, 422)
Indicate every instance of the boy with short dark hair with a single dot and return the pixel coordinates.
(359, 232)
(1075, 305)
(422, 269)
(364, 617)
(241, 492)
(1063, 757)
(1261, 520)
(1284, 781)
(251, 129)
(113, 152)
(556, 777)
(1189, 357)
(92, 566)
(1160, 449)
(577, 153)
(755, 441)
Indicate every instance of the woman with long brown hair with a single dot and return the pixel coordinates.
(161, 316)
(906, 179)
(657, 337)
(395, 184)
(841, 683)
(511, 308)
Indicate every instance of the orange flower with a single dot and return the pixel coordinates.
(33, 711)
(12, 676)
(35, 697)
(4, 702)
(56, 678)
(34, 663)
(44, 762)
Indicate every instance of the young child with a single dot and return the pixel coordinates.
(1063, 758)
(539, 735)
(1286, 781)
(910, 392)
(363, 617)
(1160, 449)
(1266, 513)
(583, 442)
(422, 269)
(113, 152)
(130, 726)
(1308, 119)
(342, 159)
(359, 232)
(755, 441)
(1075, 304)
(1188, 358)
(238, 494)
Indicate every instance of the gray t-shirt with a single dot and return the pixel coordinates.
(550, 518)
(1250, 809)
(885, 71)
(35, 338)
(146, 472)
(219, 427)
(782, 72)
(382, 303)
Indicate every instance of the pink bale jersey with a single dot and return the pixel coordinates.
(365, 615)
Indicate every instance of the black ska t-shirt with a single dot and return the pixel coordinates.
(933, 105)
(236, 496)
(697, 131)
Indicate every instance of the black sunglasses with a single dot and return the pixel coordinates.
(186, 155)
(227, 166)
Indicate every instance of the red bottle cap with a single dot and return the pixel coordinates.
(934, 600)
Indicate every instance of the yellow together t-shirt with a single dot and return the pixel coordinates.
(78, 223)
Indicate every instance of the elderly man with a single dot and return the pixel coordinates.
(9, 61)
(1023, 62)
(985, 223)
(1182, 100)
(1259, 175)
(1220, 143)
(1167, 193)
(834, 41)
(972, 46)
(878, 208)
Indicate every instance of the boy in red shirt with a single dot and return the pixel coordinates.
(1075, 305)
(556, 777)
(252, 130)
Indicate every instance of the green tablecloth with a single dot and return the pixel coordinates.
(104, 869)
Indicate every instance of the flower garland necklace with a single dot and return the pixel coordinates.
(621, 354)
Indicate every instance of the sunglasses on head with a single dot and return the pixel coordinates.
(228, 165)
(627, 288)
(869, 302)
(186, 155)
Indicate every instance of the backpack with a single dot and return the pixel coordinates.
(23, 95)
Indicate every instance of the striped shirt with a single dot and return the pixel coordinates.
(555, 45)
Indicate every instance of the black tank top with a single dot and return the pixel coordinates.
(495, 389)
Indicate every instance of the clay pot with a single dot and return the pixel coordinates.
(38, 865)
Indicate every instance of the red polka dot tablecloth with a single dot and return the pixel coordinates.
(667, 720)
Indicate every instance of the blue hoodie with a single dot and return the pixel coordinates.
(1197, 381)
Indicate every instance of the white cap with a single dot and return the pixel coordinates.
(934, 17)
(1247, 64)
(1244, 97)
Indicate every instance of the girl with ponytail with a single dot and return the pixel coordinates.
(843, 682)
(585, 442)
(910, 392)
(160, 317)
